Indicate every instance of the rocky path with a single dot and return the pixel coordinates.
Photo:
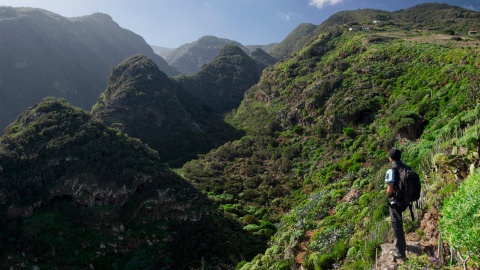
(388, 262)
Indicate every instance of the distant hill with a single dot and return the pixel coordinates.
(162, 51)
(442, 18)
(178, 117)
(189, 58)
(294, 41)
(76, 194)
(262, 58)
(267, 48)
(44, 54)
(221, 84)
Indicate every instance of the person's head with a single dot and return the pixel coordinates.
(394, 154)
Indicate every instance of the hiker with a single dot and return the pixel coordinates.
(395, 210)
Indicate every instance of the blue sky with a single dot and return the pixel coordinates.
(172, 23)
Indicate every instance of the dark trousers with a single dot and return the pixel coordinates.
(397, 224)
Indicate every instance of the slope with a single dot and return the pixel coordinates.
(318, 127)
(294, 41)
(437, 17)
(76, 194)
(44, 54)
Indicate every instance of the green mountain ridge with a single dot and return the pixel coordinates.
(318, 127)
(438, 17)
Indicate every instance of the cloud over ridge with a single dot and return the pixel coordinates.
(320, 3)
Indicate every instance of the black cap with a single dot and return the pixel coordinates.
(395, 154)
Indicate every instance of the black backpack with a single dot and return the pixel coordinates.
(407, 186)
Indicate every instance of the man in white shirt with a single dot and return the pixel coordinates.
(391, 179)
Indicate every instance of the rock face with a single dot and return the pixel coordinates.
(76, 194)
(43, 54)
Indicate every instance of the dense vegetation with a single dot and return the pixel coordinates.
(318, 127)
(76, 194)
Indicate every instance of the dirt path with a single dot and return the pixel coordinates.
(302, 246)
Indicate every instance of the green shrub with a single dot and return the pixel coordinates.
(460, 219)
(349, 131)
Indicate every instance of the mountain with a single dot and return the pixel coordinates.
(318, 127)
(162, 51)
(76, 194)
(294, 41)
(263, 59)
(221, 84)
(142, 101)
(44, 54)
(190, 58)
(442, 18)
(302, 167)
(178, 117)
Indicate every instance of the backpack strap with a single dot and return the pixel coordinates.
(411, 211)
(396, 178)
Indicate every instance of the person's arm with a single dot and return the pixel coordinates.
(390, 190)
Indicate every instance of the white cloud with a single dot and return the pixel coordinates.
(320, 3)
(286, 17)
(291, 16)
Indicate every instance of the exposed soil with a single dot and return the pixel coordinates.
(302, 246)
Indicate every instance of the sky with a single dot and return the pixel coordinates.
(172, 23)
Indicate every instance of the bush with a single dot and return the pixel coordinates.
(460, 217)
(349, 131)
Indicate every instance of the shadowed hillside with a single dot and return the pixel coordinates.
(44, 54)
(179, 117)
(75, 194)
(189, 58)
